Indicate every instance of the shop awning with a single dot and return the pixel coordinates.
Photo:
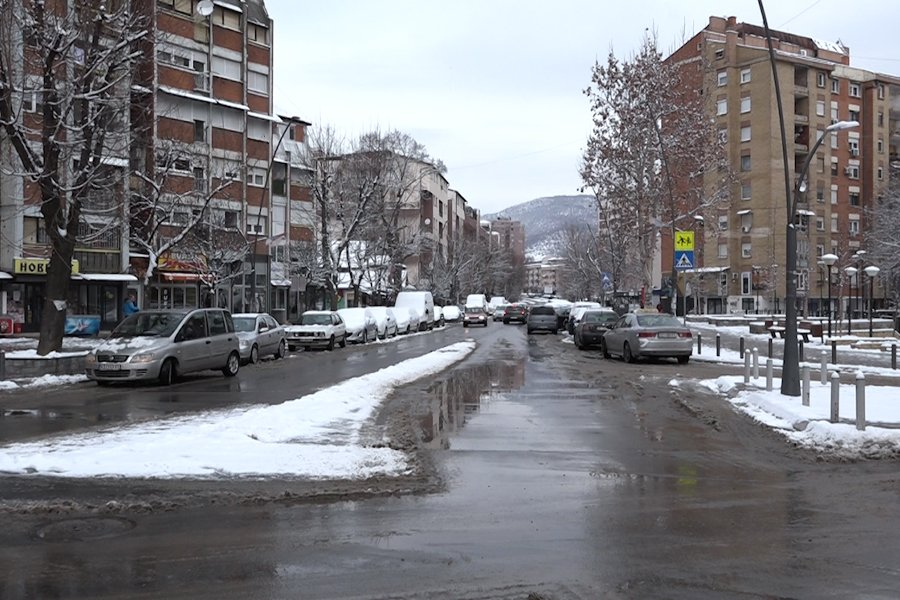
(105, 277)
(179, 277)
(5, 275)
(281, 282)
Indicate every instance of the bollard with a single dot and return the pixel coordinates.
(804, 370)
(860, 401)
(718, 345)
(835, 396)
(770, 348)
(2, 365)
(741, 347)
(834, 352)
(746, 367)
(755, 362)
(801, 349)
(769, 373)
(699, 347)
(894, 356)
(824, 379)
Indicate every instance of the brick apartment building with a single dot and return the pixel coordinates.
(741, 248)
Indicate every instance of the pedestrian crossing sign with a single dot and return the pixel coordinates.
(684, 260)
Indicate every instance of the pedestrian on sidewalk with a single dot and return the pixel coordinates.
(130, 307)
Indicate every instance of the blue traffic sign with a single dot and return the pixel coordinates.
(684, 260)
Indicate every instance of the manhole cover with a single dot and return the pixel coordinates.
(73, 530)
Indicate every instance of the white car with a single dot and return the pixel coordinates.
(402, 317)
(414, 319)
(385, 321)
(259, 335)
(438, 316)
(451, 313)
(360, 323)
(316, 329)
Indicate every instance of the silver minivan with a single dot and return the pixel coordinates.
(161, 344)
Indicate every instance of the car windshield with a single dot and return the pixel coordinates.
(149, 323)
(473, 310)
(244, 323)
(599, 317)
(543, 310)
(658, 321)
(316, 319)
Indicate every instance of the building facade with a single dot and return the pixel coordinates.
(741, 248)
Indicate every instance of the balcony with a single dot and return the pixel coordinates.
(800, 118)
(801, 91)
(201, 82)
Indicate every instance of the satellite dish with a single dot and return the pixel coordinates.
(428, 221)
(205, 8)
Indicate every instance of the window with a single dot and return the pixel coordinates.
(199, 130)
(880, 173)
(745, 162)
(231, 219)
(880, 92)
(745, 75)
(746, 250)
(852, 172)
(834, 194)
(854, 228)
(820, 108)
(880, 118)
(745, 104)
(834, 224)
(256, 225)
(854, 115)
(256, 176)
(225, 67)
(834, 112)
(746, 221)
(226, 18)
(723, 136)
(722, 107)
(820, 79)
(853, 145)
(258, 82)
(834, 139)
(723, 250)
(32, 101)
(880, 146)
(199, 179)
(258, 33)
(721, 78)
(835, 86)
(746, 278)
(745, 134)
(820, 192)
(720, 53)
(834, 168)
(745, 191)
(854, 198)
(820, 223)
(854, 90)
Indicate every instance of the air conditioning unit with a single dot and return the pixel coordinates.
(745, 228)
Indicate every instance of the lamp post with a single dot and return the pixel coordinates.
(850, 271)
(828, 260)
(790, 374)
(872, 272)
(756, 286)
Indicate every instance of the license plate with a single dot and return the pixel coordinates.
(109, 367)
(668, 334)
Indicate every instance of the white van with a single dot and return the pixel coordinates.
(478, 301)
(422, 303)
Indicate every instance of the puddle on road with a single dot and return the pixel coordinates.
(461, 393)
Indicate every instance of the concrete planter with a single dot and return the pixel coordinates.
(18, 367)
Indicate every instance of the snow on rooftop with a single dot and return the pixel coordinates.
(830, 46)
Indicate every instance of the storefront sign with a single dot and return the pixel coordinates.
(36, 266)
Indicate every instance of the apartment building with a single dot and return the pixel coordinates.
(741, 246)
(511, 238)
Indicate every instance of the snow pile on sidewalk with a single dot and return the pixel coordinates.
(316, 436)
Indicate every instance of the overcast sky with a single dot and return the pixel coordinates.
(494, 87)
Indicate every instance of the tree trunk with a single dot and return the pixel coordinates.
(56, 293)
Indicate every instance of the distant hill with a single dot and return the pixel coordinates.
(545, 220)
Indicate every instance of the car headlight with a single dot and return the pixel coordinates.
(142, 358)
(320, 334)
(90, 358)
(244, 343)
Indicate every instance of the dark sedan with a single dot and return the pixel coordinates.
(515, 312)
(591, 327)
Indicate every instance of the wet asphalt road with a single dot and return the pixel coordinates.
(567, 476)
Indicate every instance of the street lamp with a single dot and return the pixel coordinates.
(872, 272)
(790, 374)
(756, 270)
(828, 260)
(850, 271)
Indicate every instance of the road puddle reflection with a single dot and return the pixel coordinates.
(461, 393)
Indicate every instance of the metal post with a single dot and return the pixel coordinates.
(699, 347)
(741, 347)
(824, 376)
(804, 373)
(894, 356)
(829, 300)
(769, 374)
(871, 291)
(3, 364)
(747, 367)
(800, 349)
(771, 344)
(718, 344)
(755, 362)
(860, 401)
(833, 352)
(835, 396)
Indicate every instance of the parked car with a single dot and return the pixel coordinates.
(475, 315)
(414, 322)
(591, 326)
(515, 312)
(499, 310)
(562, 308)
(542, 318)
(162, 344)
(438, 316)
(260, 335)
(385, 321)
(422, 303)
(648, 333)
(451, 313)
(317, 329)
(360, 323)
(403, 320)
(575, 314)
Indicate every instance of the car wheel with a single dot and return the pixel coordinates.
(365, 337)
(233, 365)
(555, 331)
(578, 343)
(330, 343)
(168, 372)
(254, 355)
(465, 324)
(280, 352)
(603, 349)
(682, 360)
(102, 383)
(529, 331)
(627, 356)
(343, 341)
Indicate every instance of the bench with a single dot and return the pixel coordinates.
(779, 332)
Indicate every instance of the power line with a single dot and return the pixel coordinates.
(799, 13)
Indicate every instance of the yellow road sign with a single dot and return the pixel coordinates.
(684, 240)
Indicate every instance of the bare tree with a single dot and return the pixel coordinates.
(65, 74)
(883, 237)
(583, 269)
